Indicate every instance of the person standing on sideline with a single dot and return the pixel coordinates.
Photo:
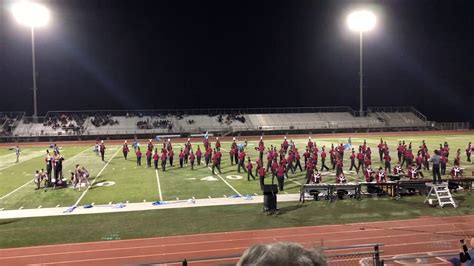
(102, 149)
(139, 157)
(125, 150)
(435, 160)
(17, 152)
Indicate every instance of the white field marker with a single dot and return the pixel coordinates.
(159, 186)
(57, 206)
(127, 201)
(39, 207)
(227, 183)
(144, 200)
(21, 208)
(209, 197)
(110, 202)
(100, 172)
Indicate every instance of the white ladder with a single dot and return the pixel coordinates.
(441, 194)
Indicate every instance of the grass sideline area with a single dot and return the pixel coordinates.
(131, 225)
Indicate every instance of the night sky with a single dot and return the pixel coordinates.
(114, 54)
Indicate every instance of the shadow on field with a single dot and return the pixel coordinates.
(5, 222)
(288, 209)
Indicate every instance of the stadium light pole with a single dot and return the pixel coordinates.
(361, 21)
(32, 15)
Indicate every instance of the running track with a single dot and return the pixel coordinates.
(400, 237)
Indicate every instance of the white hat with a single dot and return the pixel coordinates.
(125, 141)
(101, 141)
(150, 140)
(233, 138)
(217, 138)
(261, 137)
(169, 140)
(309, 137)
(285, 137)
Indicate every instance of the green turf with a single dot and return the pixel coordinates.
(135, 184)
(165, 222)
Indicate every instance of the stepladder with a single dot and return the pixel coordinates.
(439, 193)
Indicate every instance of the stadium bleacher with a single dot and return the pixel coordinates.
(103, 123)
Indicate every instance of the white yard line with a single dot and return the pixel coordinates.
(32, 179)
(159, 186)
(100, 172)
(20, 162)
(227, 183)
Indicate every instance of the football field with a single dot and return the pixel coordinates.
(118, 180)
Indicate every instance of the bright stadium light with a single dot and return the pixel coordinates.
(361, 21)
(32, 15)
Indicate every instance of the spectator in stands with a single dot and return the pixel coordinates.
(281, 253)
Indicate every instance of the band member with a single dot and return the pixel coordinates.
(17, 153)
(289, 165)
(198, 155)
(369, 174)
(413, 171)
(323, 160)
(170, 155)
(352, 158)
(360, 159)
(232, 154)
(387, 160)
(37, 179)
(155, 159)
(139, 157)
(125, 150)
(469, 150)
(381, 147)
(381, 176)
(456, 172)
(285, 144)
(269, 158)
(58, 167)
(249, 170)
(148, 155)
(261, 175)
(215, 163)
(340, 179)
(339, 165)
(186, 154)
(442, 162)
(241, 161)
(165, 154)
(218, 143)
(310, 166)
(192, 157)
(317, 178)
(150, 145)
(82, 175)
(49, 168)
(297, 160)
(207, 156)
(181, 158)
(400, 151)
(457, 158)
(261, 148)
(398, 170)
(102, 149)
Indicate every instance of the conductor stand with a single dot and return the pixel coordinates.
(270, 199)
(439, 193)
